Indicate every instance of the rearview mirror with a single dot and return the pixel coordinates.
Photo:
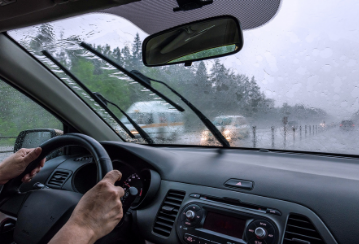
(199, 40)
(34, 138)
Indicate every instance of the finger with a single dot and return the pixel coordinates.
(34, 154)
(24, 151)
(35, 171)
(42, 162)
(120, 190)
(113, 176)
(26, 178)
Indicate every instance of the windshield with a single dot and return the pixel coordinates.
(293, 86)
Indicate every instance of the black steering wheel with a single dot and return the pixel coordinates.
(41, 213)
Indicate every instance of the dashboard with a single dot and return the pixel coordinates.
(197, 195)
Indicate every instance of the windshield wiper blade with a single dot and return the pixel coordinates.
(144, 135)
(216, 133)
(94, 97)
(131, 75)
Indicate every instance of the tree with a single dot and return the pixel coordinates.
(137, 51)
(126, 55)
(201, 79)
(117, 56)
(44, 37)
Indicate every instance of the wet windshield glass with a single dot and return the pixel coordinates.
(293, 86)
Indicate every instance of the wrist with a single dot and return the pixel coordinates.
(73, 233)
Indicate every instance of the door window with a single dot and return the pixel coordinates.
(18, 113)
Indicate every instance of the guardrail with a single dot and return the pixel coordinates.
(10, 149)
(297, 132)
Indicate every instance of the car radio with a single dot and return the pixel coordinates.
(205, 224)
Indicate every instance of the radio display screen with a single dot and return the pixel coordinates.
(225, 224)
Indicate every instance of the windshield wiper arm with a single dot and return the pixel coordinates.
(131, 75)
(216, 133)
(144, 135)
(94, 97)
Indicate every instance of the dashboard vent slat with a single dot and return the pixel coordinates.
(58, 178)
(300, 229)
(168, 212)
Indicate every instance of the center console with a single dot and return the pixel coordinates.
(202, 223)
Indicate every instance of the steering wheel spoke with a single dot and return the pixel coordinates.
(12, 205)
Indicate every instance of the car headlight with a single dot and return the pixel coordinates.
(205, 135)
(227, 134)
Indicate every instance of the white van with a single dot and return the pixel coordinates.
(158, 119)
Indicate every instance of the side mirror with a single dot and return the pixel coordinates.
(34, 138)
(199, 40)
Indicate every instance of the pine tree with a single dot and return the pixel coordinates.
(201, 79)
(117, 56)
(137, 52)
(126, 54)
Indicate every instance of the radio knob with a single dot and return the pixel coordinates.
(260, 232)
(190, 215)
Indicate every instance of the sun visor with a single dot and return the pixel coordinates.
(153, 16)
(22, 13)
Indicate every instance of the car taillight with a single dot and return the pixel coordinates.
(341, 125)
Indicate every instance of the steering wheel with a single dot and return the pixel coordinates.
(41, 213)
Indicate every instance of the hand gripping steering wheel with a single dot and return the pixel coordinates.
(41, 213)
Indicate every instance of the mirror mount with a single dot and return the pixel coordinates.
(189, 63)
(185, 5)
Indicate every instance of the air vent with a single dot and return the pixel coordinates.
(300, 230)
(168, 212)
(58, 178)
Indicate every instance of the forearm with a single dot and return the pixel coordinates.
(2, 177)
(73, 234)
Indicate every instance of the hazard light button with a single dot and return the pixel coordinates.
(244, 184)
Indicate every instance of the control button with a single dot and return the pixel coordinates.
(203, 241)
(190, 239)
(198, 216)
(188, 223)
(194, 207)
(256, 241)
(262, 223)
(244, 184)
(190, 215)
(270, 236)
(194, 195)
(260, 232)
(274, 211)
(250, 231)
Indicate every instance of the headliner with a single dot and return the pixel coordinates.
(149, 15)
(156, 15)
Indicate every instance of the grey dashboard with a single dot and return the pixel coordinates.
(322, 189)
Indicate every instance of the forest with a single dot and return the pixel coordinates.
(210, 86)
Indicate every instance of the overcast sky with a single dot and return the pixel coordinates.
(307, 54)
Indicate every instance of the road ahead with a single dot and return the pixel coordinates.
(332, 140)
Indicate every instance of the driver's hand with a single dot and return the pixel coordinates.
(14, 165)
(97, 213)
